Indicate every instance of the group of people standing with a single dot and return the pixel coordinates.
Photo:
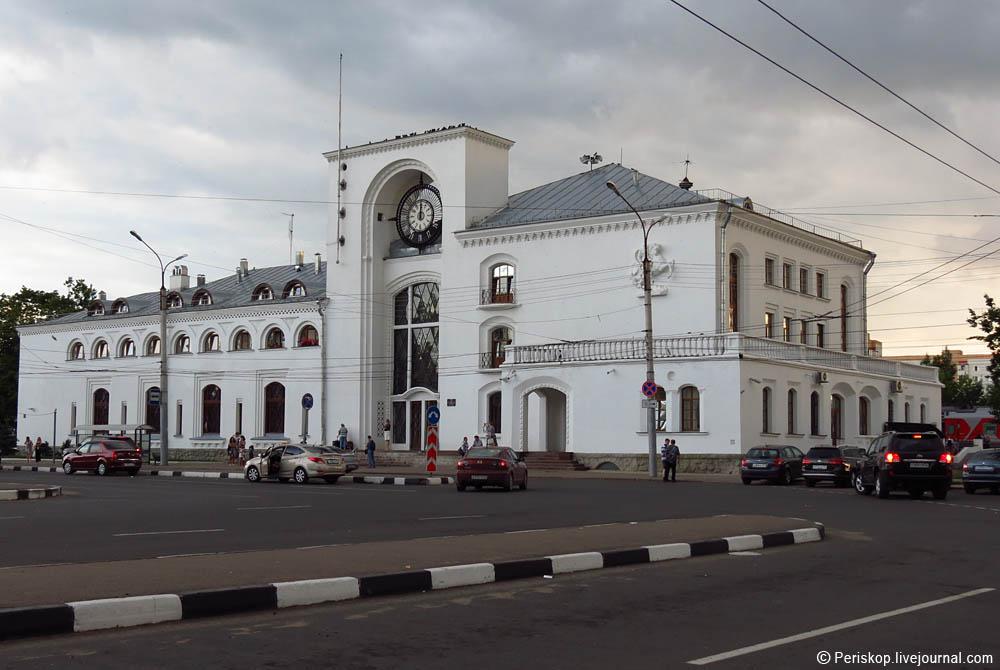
(34, 449)
(669, 455)
(237, 450)
(491, 440)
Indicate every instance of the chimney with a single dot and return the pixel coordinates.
(244, 267)
(102, 296)
(300, 259)
(319, 260)
(635, 177)
(201, 280)
(179, 279)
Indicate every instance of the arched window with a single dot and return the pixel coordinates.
(766, 407)
(501, 284)
(262, 292)
(120, 306)
(734, 293)
(201, 297)
(153, 408)
(77, 351)
(294, 289)
(500, 338)
(792, 398)
(126, 347)
(211, 342)
(661, 408)
(415, 338)
(182, 345)
(211, 404)
(153, 346)
(864, 410)
(843, 317)
(493, 412)
(891, 415)
(275, 339)
(836, 419)
(101, 349)
(242, 341)
(96, 308)
(274, 409)
(814, 413)
(906, 412)
(690, 410)
(308, 337)
(102, 402)
(923, 413)
(174, 300)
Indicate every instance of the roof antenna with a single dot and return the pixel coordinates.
(591, 159)
(291, 227)
(686, 183)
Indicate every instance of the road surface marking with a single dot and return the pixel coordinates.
(533, 530)
(171, 532)
(248, 509)
(834, 628)
(444, 518)
(11, 517)
(203, 553)
(318, 546)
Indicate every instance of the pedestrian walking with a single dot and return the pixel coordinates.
(387, 434)
(463, 448)
(670, 454)
(342, 437)
(231, 449)
(28, 445)
(477, 443)
(38, 448)
(370, 451)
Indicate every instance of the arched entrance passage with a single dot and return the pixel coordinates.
(543, 420)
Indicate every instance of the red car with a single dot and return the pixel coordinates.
(492, 467)
(103, 455)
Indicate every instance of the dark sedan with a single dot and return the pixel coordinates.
(982, 471)
(826, 464)
(491, 467)
(776, 463)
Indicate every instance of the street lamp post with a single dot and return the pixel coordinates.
(647, 290)
(164, 423)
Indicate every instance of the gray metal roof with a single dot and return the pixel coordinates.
(586, 194)
(226, 293)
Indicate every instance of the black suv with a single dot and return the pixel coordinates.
(910, 457)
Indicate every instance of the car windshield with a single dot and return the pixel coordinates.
(483, 453)
(824, 452)
(757, 452)
(910, 443)
(986, 455)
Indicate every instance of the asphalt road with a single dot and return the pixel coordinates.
(879, 556)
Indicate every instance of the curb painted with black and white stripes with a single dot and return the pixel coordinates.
(354, 479)
(89, 615)
(30, 494)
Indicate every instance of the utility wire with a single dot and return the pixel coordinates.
(880, 84)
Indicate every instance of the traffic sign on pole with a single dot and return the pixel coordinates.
(433, 415)
(432, 448)
(649, 389)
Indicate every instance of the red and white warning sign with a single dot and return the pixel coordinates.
(432, 448)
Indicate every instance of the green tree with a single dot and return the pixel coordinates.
(968, 392)
(21, 308)
(988, 321)
(947, 374)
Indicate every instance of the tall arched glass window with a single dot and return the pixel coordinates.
(792, 399)
(274, 409)
(814, 413)
(501, 284)
(211, 410)
(923, 413)
(415, 338)
(690, 410)
(734, 292)
(102, 403)
(836, 418)
(864, 410)
(906, 412)
(765, 423)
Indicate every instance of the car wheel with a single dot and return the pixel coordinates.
(970, 489)
(300, 475)
(786, 477)
(916, 494)
(859, 486)
(524, 484)
(460, 487)
(746, 481)
(68, 467)
(882, 485)
(810, 482)
(509, 483)
(253, 474)
(941, 492)
(102, 469)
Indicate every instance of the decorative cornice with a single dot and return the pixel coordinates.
(418, 139)
(801, 238)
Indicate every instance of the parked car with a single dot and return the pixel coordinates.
(982, 471)
(828, 464)
(491, 467)
(104, 455)
(350, 457)
(300, 464)
(776, 463)
(914, 461)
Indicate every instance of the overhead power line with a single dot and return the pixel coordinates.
(880, 84)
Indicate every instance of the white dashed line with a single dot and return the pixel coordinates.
(170, 532)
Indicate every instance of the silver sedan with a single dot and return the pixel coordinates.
(299, 464)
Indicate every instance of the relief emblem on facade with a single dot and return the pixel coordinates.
(662, 269)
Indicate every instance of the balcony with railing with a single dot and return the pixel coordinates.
(730, 345)
(491, 360)
(490, 297)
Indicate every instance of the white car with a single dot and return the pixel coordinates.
(291, 462)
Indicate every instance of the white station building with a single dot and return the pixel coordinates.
(524, 311)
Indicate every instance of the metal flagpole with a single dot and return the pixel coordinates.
(340, 144)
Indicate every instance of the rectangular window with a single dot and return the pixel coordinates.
(786, 275)
(803, 280)
(768, 324)
(803, 332)
(180, 419)
(399, 423)
(72, 417)
(820, 335)
(239, 417)
(124, 414)
(820, 285)
(769, 271)
(786, 329)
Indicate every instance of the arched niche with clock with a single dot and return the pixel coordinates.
(418, 219)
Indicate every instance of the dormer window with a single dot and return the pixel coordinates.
(174, 301)
(262, 292)
(120, 307)
(294, 289)
(202, 298)
(96, 309)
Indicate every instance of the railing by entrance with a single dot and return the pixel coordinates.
(707, 346)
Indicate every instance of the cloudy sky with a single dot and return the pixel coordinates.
(239, 99)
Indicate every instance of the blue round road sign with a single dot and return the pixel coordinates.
(433, 415)
(307, 401)
(649, 389)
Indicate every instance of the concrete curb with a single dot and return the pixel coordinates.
(141, 610)
(30, 494)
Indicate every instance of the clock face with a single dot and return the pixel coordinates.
(418, 218)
